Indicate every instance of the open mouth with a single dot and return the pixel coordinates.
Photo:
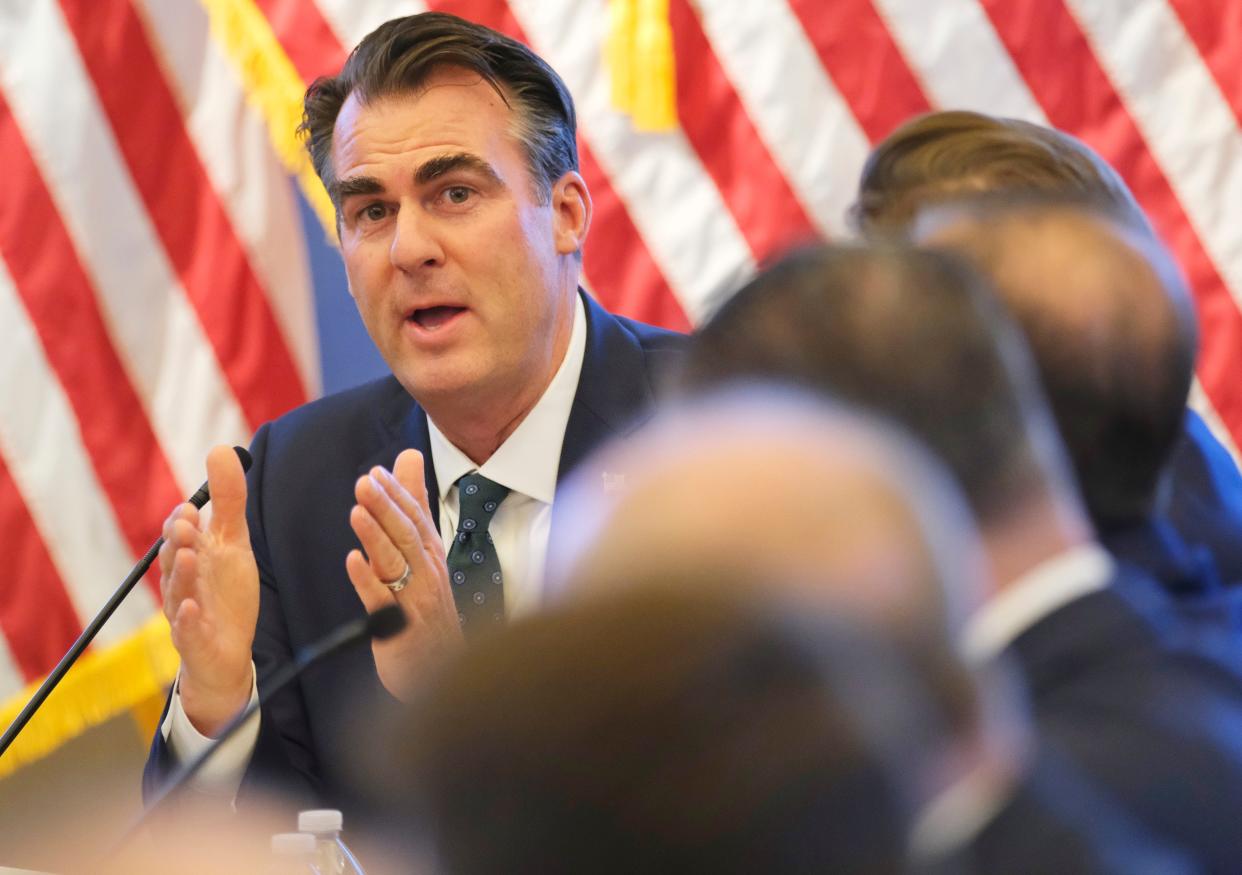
(434, 318)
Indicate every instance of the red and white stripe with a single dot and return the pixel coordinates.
(143, 221)
(154, 291)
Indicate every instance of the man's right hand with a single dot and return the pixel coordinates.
(210, 585)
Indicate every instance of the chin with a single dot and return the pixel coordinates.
(432, 384)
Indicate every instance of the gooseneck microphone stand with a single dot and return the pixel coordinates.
(198, 499)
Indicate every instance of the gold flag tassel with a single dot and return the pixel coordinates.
(639, 55)
(273, 86)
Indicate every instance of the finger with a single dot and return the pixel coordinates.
(193, 636)
(373, 594)
(227, 482)
(432, 597)
(412, 503)
(182, 535)
(397, 525)
(182, 582)
(179, 534)
(386, 560)
(182, 512)
(408, 470)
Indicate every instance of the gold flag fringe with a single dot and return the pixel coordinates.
(274, 87)
(103, 684)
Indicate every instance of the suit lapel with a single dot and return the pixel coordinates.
(614, 394)
(403, 425)
(613, 387)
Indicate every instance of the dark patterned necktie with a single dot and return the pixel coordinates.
(474, 568)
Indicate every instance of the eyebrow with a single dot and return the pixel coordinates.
(442, 165)
(427, 172)
(344, 188)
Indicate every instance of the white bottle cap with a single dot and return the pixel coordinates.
(293, 844)
(320, 820)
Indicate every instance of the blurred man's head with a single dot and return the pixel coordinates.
(943, 155)
(676, 725)
(1111, 325)
(771, 480)
(919, 338)
(777, 482)
(772, 486)
(915, 336)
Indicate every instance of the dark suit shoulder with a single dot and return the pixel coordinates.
(377, 398)
(1205, 496)
(346, 428)
(1149, 716)
(662, 350)
(651, 336)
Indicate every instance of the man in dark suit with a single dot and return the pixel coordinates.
(1112, 328)
(728, 729)
(1150, 716)
(863, 527)
(449, 152)
(947, 156)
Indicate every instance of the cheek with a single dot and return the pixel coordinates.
(365, 276)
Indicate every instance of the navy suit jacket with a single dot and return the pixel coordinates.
(301, 488)
(1149, 714)
(1057, 822)
(1204, 503)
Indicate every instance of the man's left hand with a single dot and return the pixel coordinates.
(392, 520)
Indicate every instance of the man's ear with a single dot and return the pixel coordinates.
(571, 213)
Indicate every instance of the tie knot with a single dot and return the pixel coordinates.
(479, 498)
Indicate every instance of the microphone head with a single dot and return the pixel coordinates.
(243, 456)
(386, 622)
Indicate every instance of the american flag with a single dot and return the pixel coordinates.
(165, 283)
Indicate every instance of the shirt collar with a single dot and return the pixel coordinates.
(1050, 585)
(955, 818)
(529, 459)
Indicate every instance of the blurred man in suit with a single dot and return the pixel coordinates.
(1113, 333)
(449, 152)
(918, 336)
(946, 156)
(691, 706)
(669, 729)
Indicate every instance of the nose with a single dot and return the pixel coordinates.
(415, 244)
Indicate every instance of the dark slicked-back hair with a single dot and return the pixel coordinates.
(943, 154)
(400, 56)
(915, 336)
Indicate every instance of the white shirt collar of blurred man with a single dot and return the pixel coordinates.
(1045, 589)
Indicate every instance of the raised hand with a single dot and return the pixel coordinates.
(210, 585)
(392, 520)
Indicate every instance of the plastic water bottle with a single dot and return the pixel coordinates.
(293, 853)
(331, 854)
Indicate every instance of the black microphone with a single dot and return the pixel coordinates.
(384, 623)
(198, 499)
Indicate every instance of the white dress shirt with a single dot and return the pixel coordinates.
(527, 463)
